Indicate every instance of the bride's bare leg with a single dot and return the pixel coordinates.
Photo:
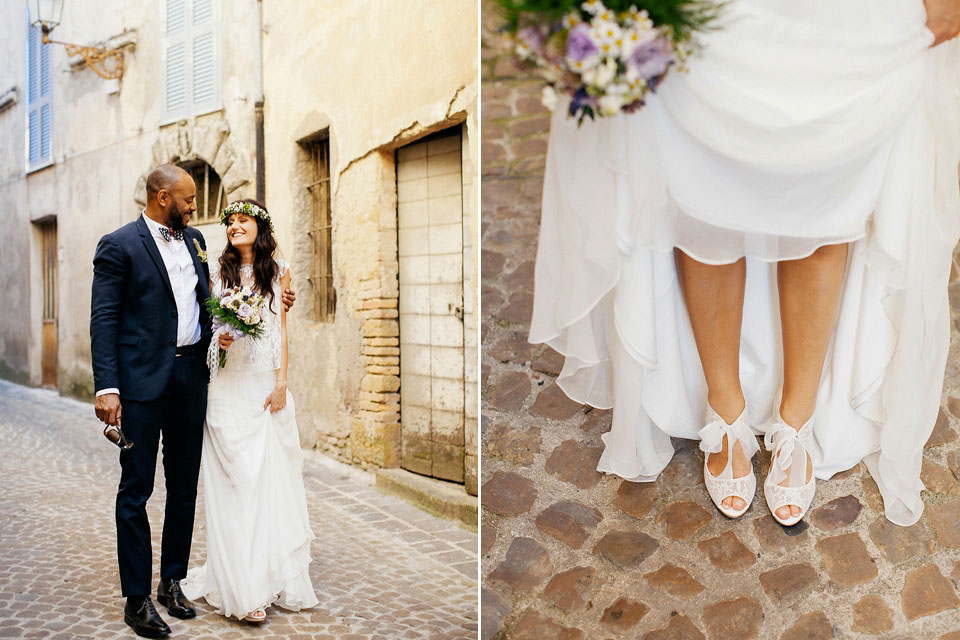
(714, 299)
(809, 295)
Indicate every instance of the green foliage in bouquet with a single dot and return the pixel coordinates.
(682, 17)
(229, 317)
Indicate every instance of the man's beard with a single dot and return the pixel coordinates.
(175, 217)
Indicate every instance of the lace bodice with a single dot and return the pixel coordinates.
(255, 354)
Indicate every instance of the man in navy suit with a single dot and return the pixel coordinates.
(149, 333)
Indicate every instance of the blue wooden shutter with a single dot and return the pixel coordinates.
(39, 101)
(192, 58)
(205, 58)
(46, 104)
(176, 58)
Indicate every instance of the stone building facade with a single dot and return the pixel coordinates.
(388, 113)
(357, 123)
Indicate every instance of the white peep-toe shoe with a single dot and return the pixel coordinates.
(725, 485)
(257, 616)
(789, 451)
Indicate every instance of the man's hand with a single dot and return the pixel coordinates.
(943, 19)
(289, 297)
(225, 341)
(108, 408)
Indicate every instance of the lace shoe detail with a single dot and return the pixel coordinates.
(801, 497)
(721, 488)
(725, 485)
(789, 447)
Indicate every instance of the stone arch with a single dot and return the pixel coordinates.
(206, 139)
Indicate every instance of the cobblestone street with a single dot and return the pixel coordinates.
(381, 568)
(567, 553)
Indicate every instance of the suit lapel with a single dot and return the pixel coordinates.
(151, 246)
(203, 285)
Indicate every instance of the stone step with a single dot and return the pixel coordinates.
(440, 498)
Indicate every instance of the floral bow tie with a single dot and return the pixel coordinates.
(168, 234)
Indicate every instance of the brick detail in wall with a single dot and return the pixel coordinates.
(377, 413)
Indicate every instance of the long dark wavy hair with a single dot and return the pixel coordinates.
(264, 266)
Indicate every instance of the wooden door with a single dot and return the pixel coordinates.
(48, 335)
(430, 250)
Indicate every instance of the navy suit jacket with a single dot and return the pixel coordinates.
(133, 314)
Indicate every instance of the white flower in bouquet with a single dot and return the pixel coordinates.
(552, 73)
(610, 104)
(549, 98)
(593, 7)
(602, 75)
(610, 49)
(606, 31)
(640, 19)
(571, 20)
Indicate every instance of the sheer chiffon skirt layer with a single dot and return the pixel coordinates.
(258, 530)
(801, 124)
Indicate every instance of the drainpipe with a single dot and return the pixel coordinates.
(258, 104)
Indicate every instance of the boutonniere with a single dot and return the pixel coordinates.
(200, 252)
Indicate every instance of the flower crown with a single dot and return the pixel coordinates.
(246, 208)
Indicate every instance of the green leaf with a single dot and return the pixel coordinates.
(683, 17)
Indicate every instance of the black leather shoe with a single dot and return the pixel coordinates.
(170, 596)
(144, 619)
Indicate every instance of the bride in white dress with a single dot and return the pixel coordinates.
(769, 237)
(258, 529)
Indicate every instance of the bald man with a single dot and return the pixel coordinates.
(149, 333)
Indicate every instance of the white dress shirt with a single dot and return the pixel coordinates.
(183, 280)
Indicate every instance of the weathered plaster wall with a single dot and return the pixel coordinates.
(107, 135)
(15, 225)
(379, 75)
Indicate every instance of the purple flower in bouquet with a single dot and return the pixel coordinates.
(580, 100)
(245, 312)
(580, 44)
(533, 38)
(651, 59)
(228, 329)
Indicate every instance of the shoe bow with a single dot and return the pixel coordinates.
(711, 436)
(782, 440)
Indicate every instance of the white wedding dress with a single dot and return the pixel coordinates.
(802, 123)
(258, 529)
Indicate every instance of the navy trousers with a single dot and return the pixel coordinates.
(177, 416)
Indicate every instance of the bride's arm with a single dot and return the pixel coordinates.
(943, 19)
(278, 398)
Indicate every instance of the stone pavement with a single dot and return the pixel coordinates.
(568, 553)
(381, 568)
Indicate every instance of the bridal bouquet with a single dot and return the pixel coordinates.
(237, 312)
(605, 57)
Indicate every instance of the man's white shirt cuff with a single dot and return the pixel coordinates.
(104, 392)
